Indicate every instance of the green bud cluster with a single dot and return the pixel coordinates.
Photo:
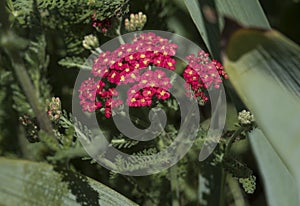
(90, 42)
(245, 117)
(249, 184)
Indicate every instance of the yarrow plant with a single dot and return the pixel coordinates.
(149, 107)
(124, 66)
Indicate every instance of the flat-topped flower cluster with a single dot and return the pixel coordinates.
(126, 66)
(202, 73)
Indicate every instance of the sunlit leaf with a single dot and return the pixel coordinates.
(264, 67)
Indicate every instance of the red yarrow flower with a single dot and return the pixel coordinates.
(124, 66)
(87, 95)
(152, 84)
(101, 25)
(201, 74)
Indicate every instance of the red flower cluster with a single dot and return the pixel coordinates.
(123, 66)
(146, 49)
(201, 73)
(155, 85)
(101, 25)
(87, 95)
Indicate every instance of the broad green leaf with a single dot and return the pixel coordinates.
(280, 186)
(30, 183)
(264, 68)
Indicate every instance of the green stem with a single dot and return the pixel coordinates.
(97, 51)
(224, 174)
(232, 139)
(26, 83)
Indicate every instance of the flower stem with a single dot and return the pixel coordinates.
(174, 186)
(118, 31)
(26, 83)
(222, 191)
(224, 174)
(232, 139)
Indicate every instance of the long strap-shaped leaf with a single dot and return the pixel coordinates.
(29, 183)
(280, 186)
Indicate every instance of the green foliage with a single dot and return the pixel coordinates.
(138, 161)
(236, 168)
(47, 139)
(73, 43)
(20, 102)
(110, 8)
(241, 172)
(67, 12)
(74, 62)
(22, 11)
(69, 123)
(123, 143)
(71, 19)
(68, 131)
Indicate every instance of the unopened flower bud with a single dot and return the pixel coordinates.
(126, 23)
(136, 17)
(144, 18)
(90, 42)
(136, 22)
